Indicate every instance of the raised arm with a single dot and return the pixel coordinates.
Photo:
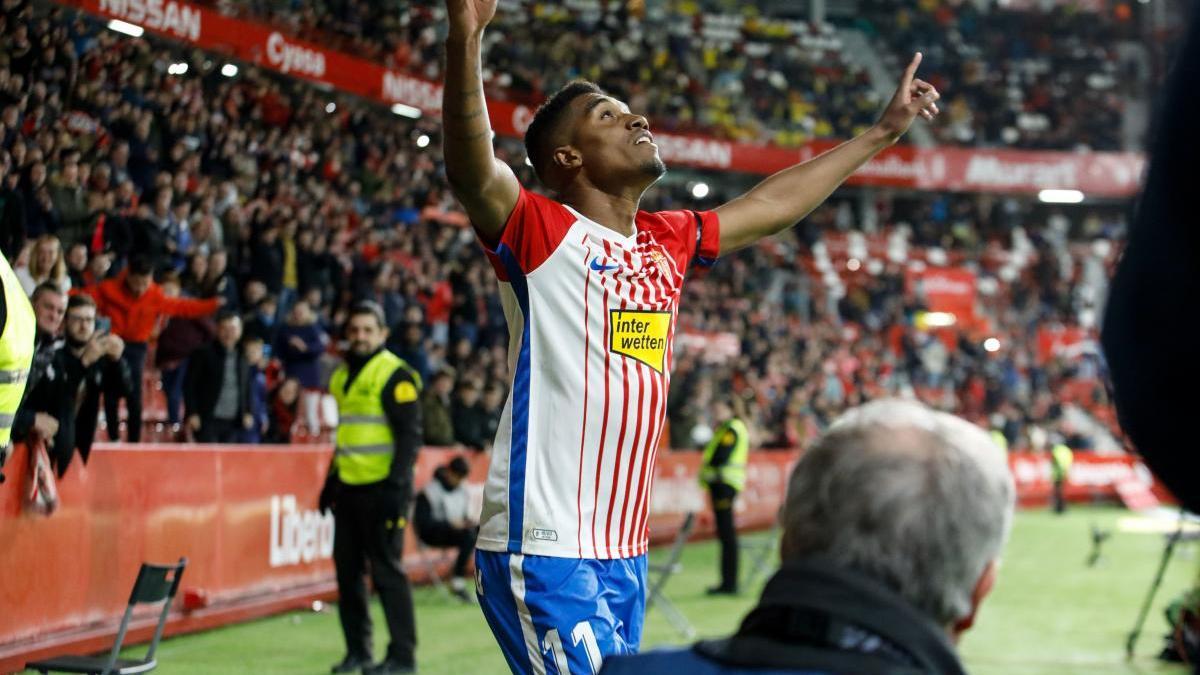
(487, 187)
(783, 199)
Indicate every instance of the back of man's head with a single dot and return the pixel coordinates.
(140, 265)
(459, 467)
(918, 500)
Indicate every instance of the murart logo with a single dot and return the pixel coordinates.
(640, 335)
(298, 536)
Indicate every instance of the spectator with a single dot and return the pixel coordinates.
(893, 596)
(409, 345)
(435, 409)
(219, 281)
(12, 212)
(217, 389)
(39, 209)
(467, 416)
(195, 276)
(252, 350)
(68, 197)
(266, 259)
(260, 322)
(317, 268)
(493, 410)
(442, 518)
(134, 303)
(289, 278)
(92, 364)
(46, 264)
(41, 408)
(299, 345)
(77, 265)
(178, 340)
(285, 408)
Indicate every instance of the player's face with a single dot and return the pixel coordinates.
(615, 143)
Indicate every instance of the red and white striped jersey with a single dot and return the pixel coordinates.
(591, 316)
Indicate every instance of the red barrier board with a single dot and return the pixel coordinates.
(1106, 174)
(1091, 477)
(245, 518)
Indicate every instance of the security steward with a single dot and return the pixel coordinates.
(723, 471)
(369, 488)
(1061, 459)
(17, 330)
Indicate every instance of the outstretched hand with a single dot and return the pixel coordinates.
(469, 17)
(913, 97)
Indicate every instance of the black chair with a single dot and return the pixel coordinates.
(155, 583)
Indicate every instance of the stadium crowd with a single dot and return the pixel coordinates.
(265, 198)
(1015, 76)
(1050, 79)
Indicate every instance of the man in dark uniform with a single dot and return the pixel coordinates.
(369, 487)
(723, 472)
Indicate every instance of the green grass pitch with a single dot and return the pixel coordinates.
(1049, 613)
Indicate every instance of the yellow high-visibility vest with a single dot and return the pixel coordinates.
(733, 473)
(364, 440)
(999, 439)
(16, 349)
(1061, 459)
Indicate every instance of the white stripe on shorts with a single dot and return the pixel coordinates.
(518, 589)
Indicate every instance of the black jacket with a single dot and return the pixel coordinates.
(39, 398)
(811, 610)
(1150, 327)
(108, 376)
(205, 377)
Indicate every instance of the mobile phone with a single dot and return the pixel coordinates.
(103, 325)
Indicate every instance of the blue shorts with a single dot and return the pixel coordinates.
(561, 615)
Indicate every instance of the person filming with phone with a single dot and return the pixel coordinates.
(92, 360)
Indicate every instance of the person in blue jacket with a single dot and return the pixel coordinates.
(299, 345)
(256, 364)
(893, 526)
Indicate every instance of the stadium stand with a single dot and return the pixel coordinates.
(264, 191)
(1023, 75)
(1045, 78)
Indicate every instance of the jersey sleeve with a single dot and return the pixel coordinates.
(695, 236)
(534, 229)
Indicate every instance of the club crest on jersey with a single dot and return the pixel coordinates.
(659, 260)
(640, 335)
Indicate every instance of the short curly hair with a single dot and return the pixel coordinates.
(546, 119)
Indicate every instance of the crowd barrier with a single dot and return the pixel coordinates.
(245, 517)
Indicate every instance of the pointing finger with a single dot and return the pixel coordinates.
(910, 72)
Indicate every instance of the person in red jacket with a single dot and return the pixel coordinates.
(133, 302)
